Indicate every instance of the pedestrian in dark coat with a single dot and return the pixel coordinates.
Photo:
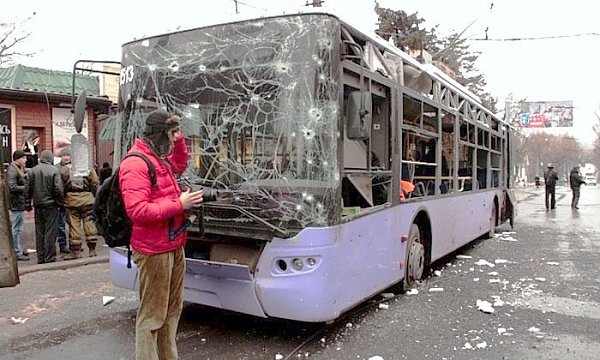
(105, 172)
(46, 192)
(16, 179)
(575, 179)
(550, 178)
(65, 160)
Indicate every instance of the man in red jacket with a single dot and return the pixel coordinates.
(159, 219)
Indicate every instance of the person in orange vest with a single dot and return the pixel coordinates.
(407, 187)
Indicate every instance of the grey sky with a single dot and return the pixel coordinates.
(550, 69)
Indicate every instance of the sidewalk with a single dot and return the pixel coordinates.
(28, 242)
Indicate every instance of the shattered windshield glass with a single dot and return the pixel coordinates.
(259, 102)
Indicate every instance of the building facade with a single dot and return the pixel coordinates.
(35, 111)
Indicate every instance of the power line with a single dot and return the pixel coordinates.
(536, 37)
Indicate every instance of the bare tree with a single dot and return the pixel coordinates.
(11, 37)
(595, 156)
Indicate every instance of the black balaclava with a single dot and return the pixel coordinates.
(156, 133)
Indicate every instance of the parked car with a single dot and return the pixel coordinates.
(590, 180)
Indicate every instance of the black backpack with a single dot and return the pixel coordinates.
(110, 216)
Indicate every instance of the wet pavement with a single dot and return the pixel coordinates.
(541, 279)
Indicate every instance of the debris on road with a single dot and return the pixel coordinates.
(482, 262)
(107, 300)
(18, 320)
(485, 306)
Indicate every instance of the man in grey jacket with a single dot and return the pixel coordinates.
(46, 191)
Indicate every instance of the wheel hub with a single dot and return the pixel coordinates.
(416, 261)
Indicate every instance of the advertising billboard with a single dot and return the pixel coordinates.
(62, 130)
(545, 114)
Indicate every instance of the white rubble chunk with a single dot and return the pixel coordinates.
(437, 273)
(412, 292)
(498, 302)
(481, 345)
(278, 356)
(482, 262)
(494, 280)
(501, 261)
(485, 307)
(476, 279)
(436, 289)
(376, 357)
(541, 279)
(384, 306)
(107, 300)
(387, 295)
(501, 331)
(31, 251)
(493, 273)
(18, 320)
(533, 329)
(552, 263)
(467, 346)
(464, 257)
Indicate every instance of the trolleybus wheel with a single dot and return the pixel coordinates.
(493, 216)
(415, 258)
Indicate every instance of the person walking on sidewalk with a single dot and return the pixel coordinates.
(550, 178)
(158, 237)
(575, 180)
(79, 201)
(65, 159)
(46, 191)
(16, 180)
(105, 172)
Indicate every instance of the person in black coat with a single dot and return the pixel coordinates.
(45, 189)
(575, 180)
(16, 179)
(105, 172)
(550, 179)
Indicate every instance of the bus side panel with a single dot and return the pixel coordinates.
(458, 220)
(355, 260)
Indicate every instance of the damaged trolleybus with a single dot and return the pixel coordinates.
(301, 130)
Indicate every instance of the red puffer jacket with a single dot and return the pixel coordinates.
(154, 210)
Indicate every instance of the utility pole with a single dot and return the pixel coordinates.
(315, 3)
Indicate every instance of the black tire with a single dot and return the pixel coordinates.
(415, 258)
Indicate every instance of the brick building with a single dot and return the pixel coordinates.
(35, 111)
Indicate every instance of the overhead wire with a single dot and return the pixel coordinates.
(536, 37)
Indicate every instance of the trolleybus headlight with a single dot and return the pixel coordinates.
(311, 261)
(297, 263)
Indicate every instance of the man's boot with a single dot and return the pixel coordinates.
(92, 249)
(75, 253)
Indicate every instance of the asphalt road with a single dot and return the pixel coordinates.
(542, 282)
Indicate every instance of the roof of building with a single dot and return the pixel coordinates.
(20, 77)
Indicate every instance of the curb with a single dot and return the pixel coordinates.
(62, 265)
